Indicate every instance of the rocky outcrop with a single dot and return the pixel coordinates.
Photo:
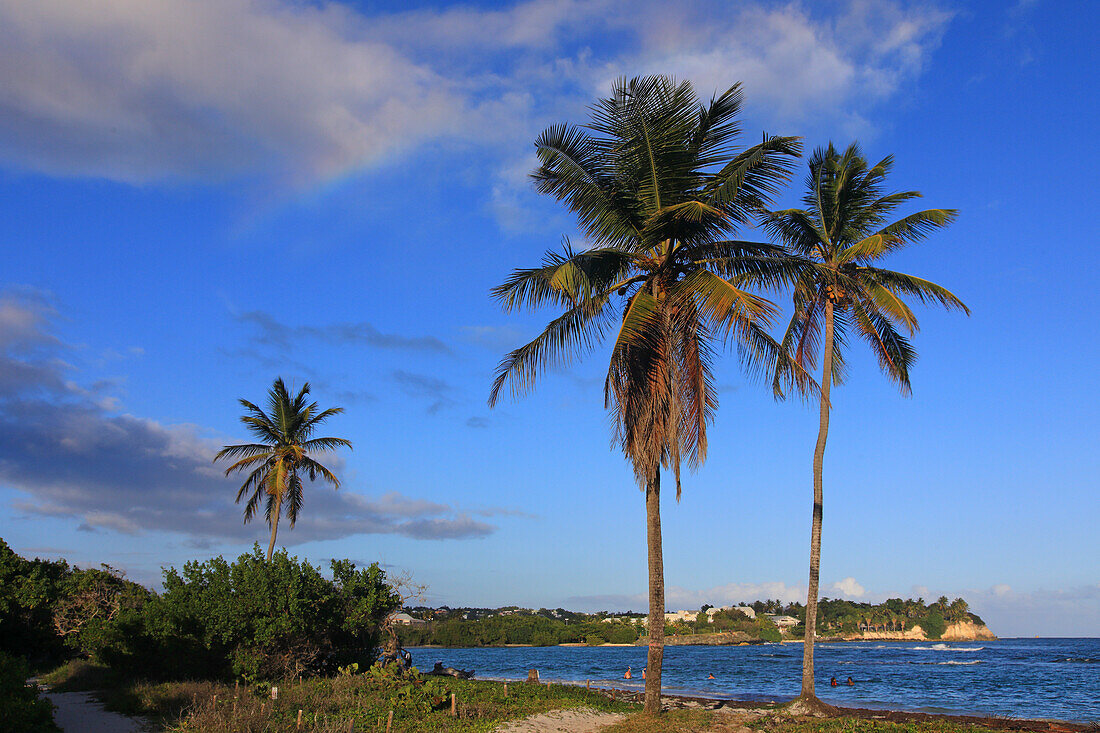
(967, 631)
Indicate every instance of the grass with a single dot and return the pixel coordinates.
(858, 725)
(328, 704)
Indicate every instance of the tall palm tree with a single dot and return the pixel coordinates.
(658, 188)
(281, 456)
(840, 236)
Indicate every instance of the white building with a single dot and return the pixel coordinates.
(783, 622)
(404, 619)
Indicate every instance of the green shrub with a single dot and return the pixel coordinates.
(933, 625)
(256, 619)
(21, 709)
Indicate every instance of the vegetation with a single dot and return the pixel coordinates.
(838, 239)
(658, 187)
(419, 703)
(21, 709)
(278, 461)
(252, 618)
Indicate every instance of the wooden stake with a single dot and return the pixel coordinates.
(506, 689)
(262, 707)
(351, 726)
(452, 704)
(389, 722)
(299, 719)
(588, 685)
(215, 701)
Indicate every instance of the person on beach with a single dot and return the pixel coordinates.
(628, 676)
(833, 682)
(850, 682)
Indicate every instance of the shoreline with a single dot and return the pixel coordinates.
(635, 693)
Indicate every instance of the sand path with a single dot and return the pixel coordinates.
(579, 720)
(79, 712)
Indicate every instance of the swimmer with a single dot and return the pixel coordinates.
(833, 682)
(628, 675)
(643, 673)
(710, 676)
(850, 682)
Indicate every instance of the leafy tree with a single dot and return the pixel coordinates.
(658, 188)
(933, 624)
(278, 460)
(258, 617)
(840, 236)
(21, 709)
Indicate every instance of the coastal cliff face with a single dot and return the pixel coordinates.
(968, 631)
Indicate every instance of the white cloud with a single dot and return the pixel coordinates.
(848, 588)
(291, 92)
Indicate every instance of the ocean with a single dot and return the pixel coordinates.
(1021, 678)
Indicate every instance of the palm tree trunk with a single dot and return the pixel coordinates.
(656, 596)
(815, 531)
(275, 528)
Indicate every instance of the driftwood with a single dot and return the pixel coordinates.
(440, 671)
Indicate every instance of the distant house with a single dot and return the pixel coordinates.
(783, 622)
(675, 616)
(404, 619)
(747, 610)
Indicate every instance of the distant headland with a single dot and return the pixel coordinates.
(751, 623)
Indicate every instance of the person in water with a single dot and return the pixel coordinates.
(833, 682)
(643, 673)
(710, 676)
(850, 682)
(628, 675)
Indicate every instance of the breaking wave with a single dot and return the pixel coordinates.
(945, 648)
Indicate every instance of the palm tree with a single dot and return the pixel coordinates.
(281, 455)
(840, 236)
(658, 188)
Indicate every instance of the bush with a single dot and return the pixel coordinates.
(21, 709)
(256, 619)
(933, 625)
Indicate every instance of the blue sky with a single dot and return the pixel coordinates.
(198, 197)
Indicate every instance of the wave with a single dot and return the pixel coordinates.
(945, 648)
(1077, 660)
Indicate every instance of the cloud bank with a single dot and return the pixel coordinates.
(297, 93)
(67, 450)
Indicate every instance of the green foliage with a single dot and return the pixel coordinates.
(420, 703)
(21, 709)
(50, 610)
(517, 627)
(258, 619)
(933, 624)
(28, 590)
(767, 630)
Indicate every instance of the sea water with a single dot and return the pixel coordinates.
(1021, 678)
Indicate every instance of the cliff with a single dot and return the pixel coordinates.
(967, 631)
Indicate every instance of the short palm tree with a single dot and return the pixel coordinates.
(840, 236)
(658, 189)
(281, 456)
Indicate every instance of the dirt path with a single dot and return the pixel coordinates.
(580, 720)
(79, 712)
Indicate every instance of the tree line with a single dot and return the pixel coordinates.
(251, 618)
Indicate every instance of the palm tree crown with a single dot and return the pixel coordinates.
(841, 234)
(658, 188)
(281, 456)
(836, 242)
